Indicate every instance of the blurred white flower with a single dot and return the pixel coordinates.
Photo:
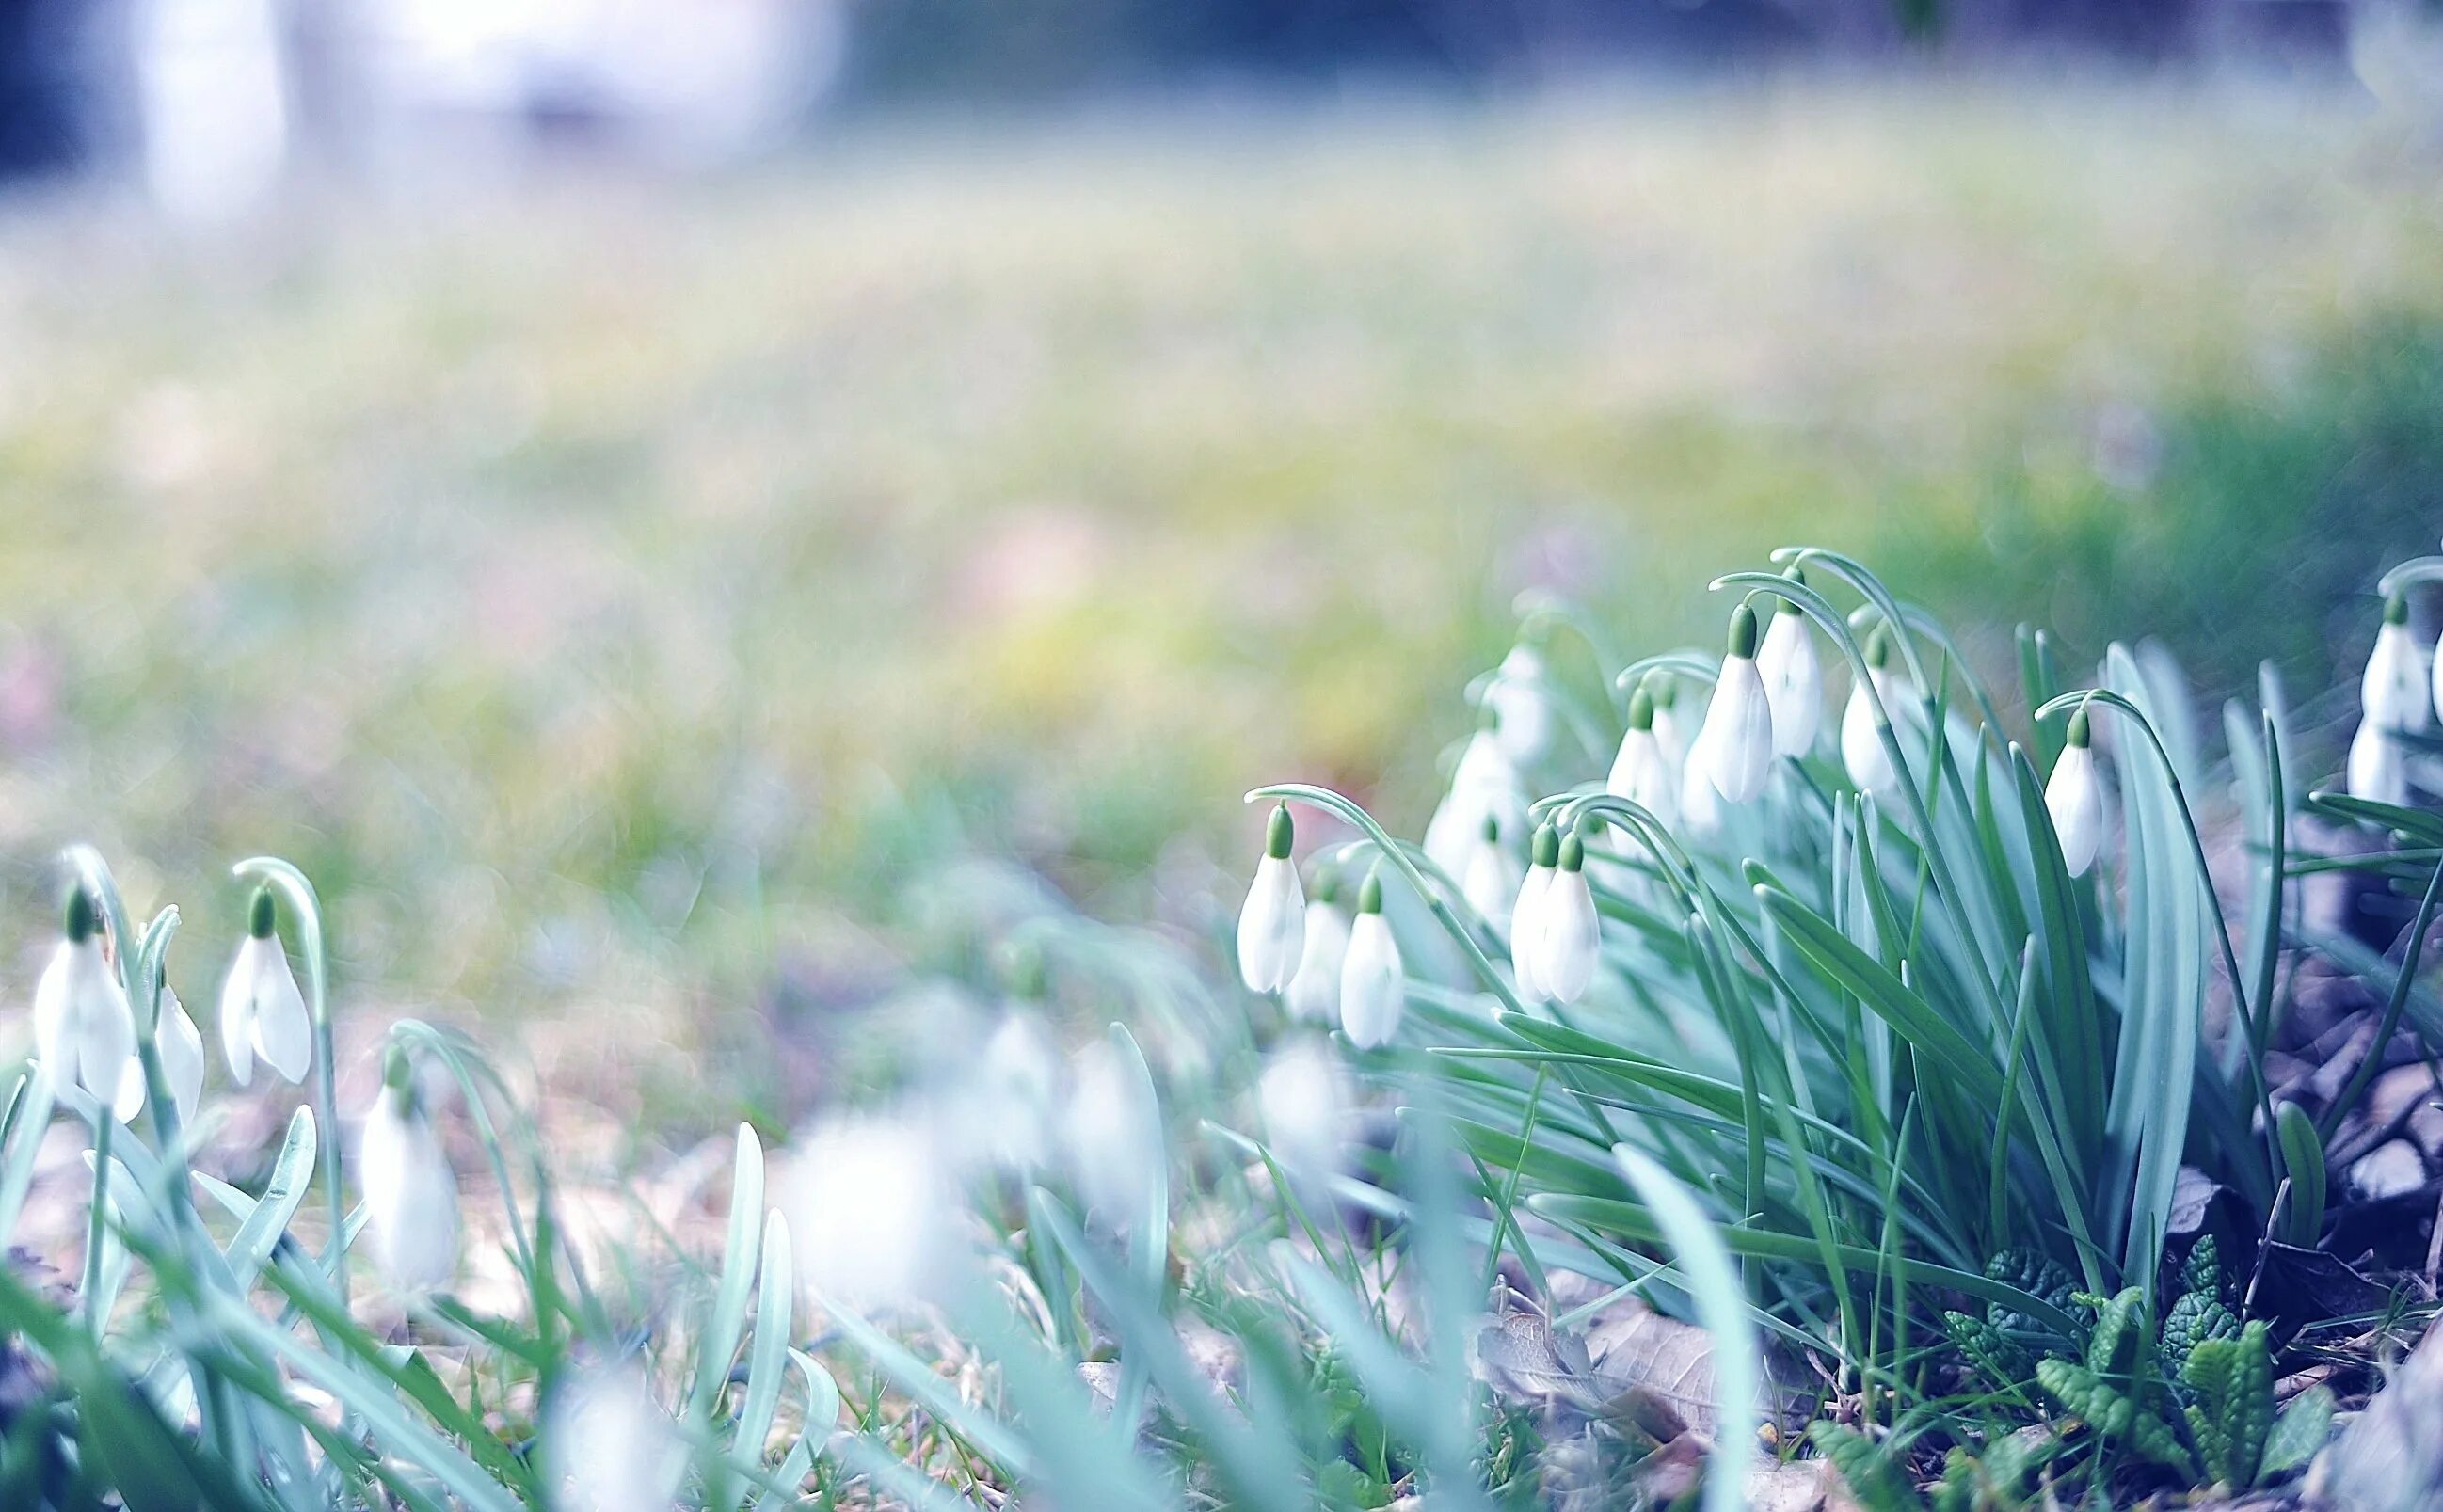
(2379, 767)
(873, 1210)
(1373, 983)
(411, 1193)
(1272, 923)
(2075, 798)
(1314, 993)
(1527, 916)
(1113, 1132)
(1017, 1093)
(1523, 718)
(1485, 783)
(2395, 694)
(1492, 879)
(1862, 746)
(1672, 720)
(262, 1011)
(1643, 771)
(1303, 1097)
(609, 1447)
(1572, 941)
(181, 1047)
(82, 1028)
(1737, 736)
(1794, 679)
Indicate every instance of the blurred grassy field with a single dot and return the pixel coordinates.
(603, 586)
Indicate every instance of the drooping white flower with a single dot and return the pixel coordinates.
(1737, 736)
(82, 1028)
(1523, 718)
(1862, 744)
(1700, 802)
(2379, 767)
(263, 1014)
(1484, 783)
(609, 1447)
(1017, 1092)
(1642, 773)
(2395, 694)
(411, 1193)
(1113, 1132)
(1303, 1097)
(1572, 941)
(181, 1049)
(1527, 915)
(1491, 883)
(1272, 923)
(1314, 993)
(1672, 720)
(1373, 981)
(2075, 798)
(873, 1209)
(1793, 679)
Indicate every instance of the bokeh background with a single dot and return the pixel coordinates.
(630, 493)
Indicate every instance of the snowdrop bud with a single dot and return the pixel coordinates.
(1303, 1097)
(1485, 782)
(82, 1028)
(1522, 720)
(1272, 925)
(1642, 773)
(1862, 746)
(411, 1193)
(1738, 736)
(181, 1047)
(1314, 993)
(263, 1014)
(2395, 694)
(1373, 983)
(2378, 768)
(1572, 932)
(869, 1204)
(1018, 1093)
(2075, 800)
(1793, 678)
(1527, 917)
(1491, 885)
(609, 1447)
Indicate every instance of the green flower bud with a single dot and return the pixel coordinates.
(1573, 854)
(1546, 852)
(80, 921)
(2078, 730)
(1279, 832)
(1743, 632)
(2395, 610)
(261, 913)
(1641, 708)
(1369, 895)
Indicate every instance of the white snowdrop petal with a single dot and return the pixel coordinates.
(1303, 1097)
(2378, 771)
(181, 1047)
(1373, 984)
(1739, 732)
(2395, 692)
(1491, 885)
(1314, 992)
(872, 1212)
(1527, 932)
(1794, 683)
(1271, 926)
(609, 1447)
(1643, 773)
(410, 1197)
(1862, 745)
(1572, 941)
(2075, 800)
(282, 1031)
(1113, 1132)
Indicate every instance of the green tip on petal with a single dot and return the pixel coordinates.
(1798, 575)
(1743, 632)
(1279, 832)
(261, 913)
(2079, 735)
(2395, 610)
(1546, 852)
(1641, 710)
(1491, 826)
(79, 922)
(1879, 647)
(1370, 897)
(1573, 854)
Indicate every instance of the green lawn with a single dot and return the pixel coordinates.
(587, 579)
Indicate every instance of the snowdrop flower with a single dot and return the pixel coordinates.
(1642, 773)
(82, 1028)
(1862, 746)
(1491, 884)
(1566, 957)
(1738, 736)
(181, 1047)
(1700, 803)
(1485, 782)
(870, 1203)
(1373, 983)
(1303, 1097)
(2075, 800)
(1314, 993)
(1522, 720)
(1671, 721)
(2395, 694)
(1793, 678)
(411, 1193)
(2378, 768)
(1272, 924)
(262, 1011)
(609, 1447)
(1018, 1087)
(1113, 1132)
(1527, 916)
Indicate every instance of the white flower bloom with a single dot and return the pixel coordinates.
(1373, 983)
(1484, 785)
(2378, 768)
(609, 1447)
(873, 1209)
(1492, 879)
(2394, 693)
(1113, 1131)
(1527, 916)
(1314, 993)
(1737, 736)
(411, 1193)
(1793, 681)
(1272, 924)
(1572, 939)
(1522, 719)
(1643, 771)
(1700, 803)
(1672, 721)
(1016, 1094)
(1862, 747)
(2075, 798)
(263, 1014)
(181, 1047)
(1303, 1097)
(82, 1028)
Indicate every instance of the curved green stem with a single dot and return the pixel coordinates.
(307, 908)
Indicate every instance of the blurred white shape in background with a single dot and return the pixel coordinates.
(214, 103)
